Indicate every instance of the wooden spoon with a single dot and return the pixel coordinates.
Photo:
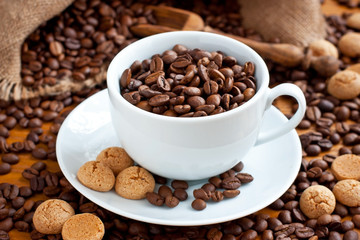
(174, 19)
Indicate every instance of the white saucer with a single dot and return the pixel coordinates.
(274, 166)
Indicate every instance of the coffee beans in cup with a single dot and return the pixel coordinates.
(184, 82)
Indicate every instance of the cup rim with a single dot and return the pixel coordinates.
(112, 69)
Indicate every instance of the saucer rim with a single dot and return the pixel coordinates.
(103, 94)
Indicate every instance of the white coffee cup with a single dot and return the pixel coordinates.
(199, 147)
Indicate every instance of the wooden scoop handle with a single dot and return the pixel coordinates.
(144, 30)
(285, 54)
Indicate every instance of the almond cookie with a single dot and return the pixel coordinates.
(83, 226)
(316, 201)
(115, 158)
(347, 192)
(97, 176)
(346, 166)
(134, 182)
(51, 215)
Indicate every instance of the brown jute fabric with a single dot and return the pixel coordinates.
(297, 22)
(18, 18)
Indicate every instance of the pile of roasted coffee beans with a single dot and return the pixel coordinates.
(188, 83)
(81, 41)
(328, 123)
(216, 189)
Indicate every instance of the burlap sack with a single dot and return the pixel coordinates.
(298, 22)
(19, 18)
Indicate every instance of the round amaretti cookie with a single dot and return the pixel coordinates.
(50, 216)
(347, 192)
(83, 226)
(134, 182)
(97, 176)
(316, 201)
(116, 158)
(346, 166)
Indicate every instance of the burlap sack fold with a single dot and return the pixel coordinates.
(296, 22)
(19, 18)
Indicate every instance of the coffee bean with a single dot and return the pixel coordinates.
(238, 167)
(4, 235)
(179, 184)
(88, 207)
(39, 166)
(334, 236)
(5, 168)
(22, 226)
(198, 204)
(351, 235)
(4, 132)
(10, 122)
(249, 234)
(277, 205)
(25, 191)
(285, 230)
(347, 225)
(37, 184)
(325, 105)
(171, 201)
(39, 153)
(304, 232)
(342, 113)
(28, 217)
(29, 173)
(217, 196)
(322, 232)
(285, 216)
(202, 194)
(313, 113)
(17, 202)
(231, 193)
(231, 183)
(324, 220)
(28, 205)
(56, 48)
(10, 191)
(344, 150)
(4, 213)
(313, 150)
(314, 172)
(36, 235)
(180, 194)
(267, 235)
(51, 191)
(304, 124)
(6, 224)
(274, 223)
(244, 177)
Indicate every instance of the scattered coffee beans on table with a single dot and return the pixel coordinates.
(184, 82)
(329, 122)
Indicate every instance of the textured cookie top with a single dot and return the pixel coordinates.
(116, 158)
(346, 166)
(134, 182)
(83, 226)
(316, 201)
(51, 215)
(347, 192)
(97, 176)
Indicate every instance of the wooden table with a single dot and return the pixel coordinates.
(330, 7)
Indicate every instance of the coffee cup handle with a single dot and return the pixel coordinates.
(283, 89)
